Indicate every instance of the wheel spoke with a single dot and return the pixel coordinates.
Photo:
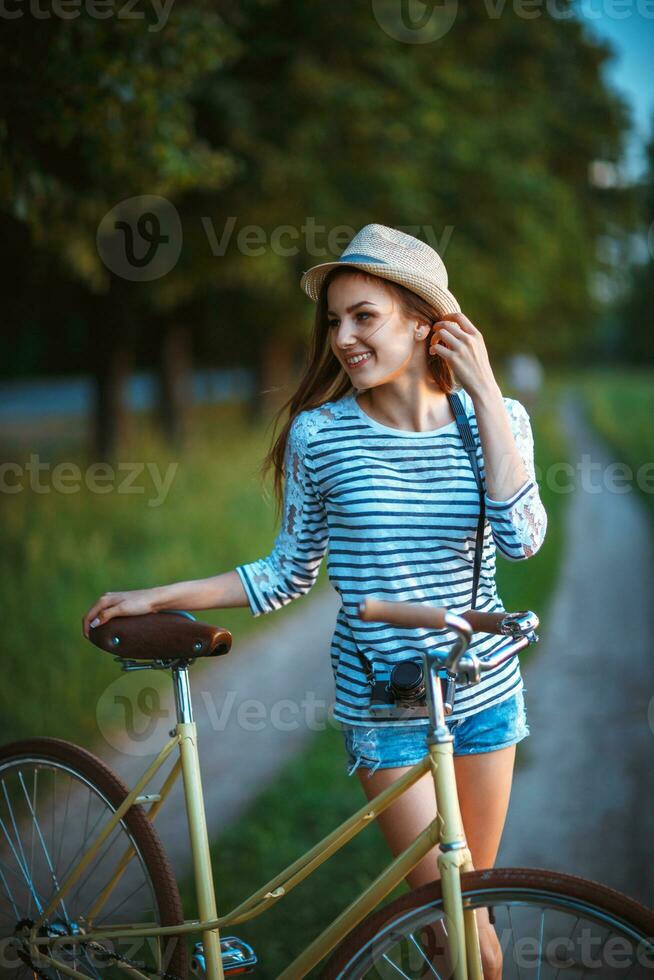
(93, 869)
(122, 901)
(83, 846)
(53, 810)
(535, 944)
(22, 860)
(572, 932)
(9, 893)
(631, 969)
(31, 868)
(79, 960)
(540, 942)
(12, 871)
(512, 930)
(64, 824)
(35, 824)
(396, 967)
(423, 954)
(22, 866)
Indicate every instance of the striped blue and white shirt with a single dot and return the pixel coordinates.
(397, 513)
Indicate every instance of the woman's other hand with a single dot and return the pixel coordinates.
(459, 342)
(135, 603)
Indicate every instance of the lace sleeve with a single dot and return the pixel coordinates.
(292, 567)
(519, 523)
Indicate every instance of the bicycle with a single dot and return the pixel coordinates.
(71, 891)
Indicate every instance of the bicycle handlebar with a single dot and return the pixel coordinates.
(422, 614)
(520, 626)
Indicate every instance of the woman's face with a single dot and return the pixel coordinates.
(366, 319)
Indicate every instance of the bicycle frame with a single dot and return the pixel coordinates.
(446, 830)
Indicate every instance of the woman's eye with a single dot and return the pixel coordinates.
(334, 322)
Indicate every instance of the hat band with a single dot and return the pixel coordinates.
(360, 257)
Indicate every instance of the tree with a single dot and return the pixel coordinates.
(93, 112)
(636, 314)
(298, 117)
(480, 142)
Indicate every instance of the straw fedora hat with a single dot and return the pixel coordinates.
(391, 254)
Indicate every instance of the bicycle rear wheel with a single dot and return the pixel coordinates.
(548, 925)
(55, 800)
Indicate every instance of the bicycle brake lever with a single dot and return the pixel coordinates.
(519, 623)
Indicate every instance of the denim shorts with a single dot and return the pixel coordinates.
(404, 745)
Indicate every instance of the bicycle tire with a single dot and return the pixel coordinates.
(529, 887)
(100, 778)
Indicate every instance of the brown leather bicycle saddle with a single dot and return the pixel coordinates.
(160, 636)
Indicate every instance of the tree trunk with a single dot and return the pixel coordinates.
(275, 376)
(175, 384)
(113, 355)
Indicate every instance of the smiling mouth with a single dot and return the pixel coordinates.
(359, 359)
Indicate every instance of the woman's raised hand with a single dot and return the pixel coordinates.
(460, 343)
(138, 602)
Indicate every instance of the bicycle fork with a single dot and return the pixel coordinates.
(461, 924)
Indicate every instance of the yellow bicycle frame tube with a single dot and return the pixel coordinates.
(446, 830)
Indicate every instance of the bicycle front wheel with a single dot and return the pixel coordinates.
(55, 800)
(548, 925)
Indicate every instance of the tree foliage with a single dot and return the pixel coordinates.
(286, 115)
(636, 315)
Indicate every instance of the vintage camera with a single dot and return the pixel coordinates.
(401, 693)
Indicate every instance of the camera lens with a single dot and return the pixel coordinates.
(406, 681)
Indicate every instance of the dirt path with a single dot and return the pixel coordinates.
(583, 796)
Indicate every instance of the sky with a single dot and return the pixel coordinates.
(629, 26)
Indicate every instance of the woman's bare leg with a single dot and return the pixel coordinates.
(484, 786)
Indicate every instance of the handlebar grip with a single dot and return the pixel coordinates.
(403, 613)
(484, 622)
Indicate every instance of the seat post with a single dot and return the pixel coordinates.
(197, 821)
(182, 691)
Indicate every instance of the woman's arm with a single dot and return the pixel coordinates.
(513, 505)
(292, 567)
(514, 508)
(504, 466)
(222, 591)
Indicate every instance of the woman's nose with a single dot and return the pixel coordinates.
(345, 335)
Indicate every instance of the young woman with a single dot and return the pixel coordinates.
(375, 472)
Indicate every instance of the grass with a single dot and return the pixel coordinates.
(620, 405)
(313, 795)
(60, 551)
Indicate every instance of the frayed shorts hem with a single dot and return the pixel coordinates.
(390, 747)
(493, 748)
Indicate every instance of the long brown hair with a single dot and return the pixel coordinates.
(325, 379)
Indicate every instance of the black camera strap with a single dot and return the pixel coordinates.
(469, 445)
